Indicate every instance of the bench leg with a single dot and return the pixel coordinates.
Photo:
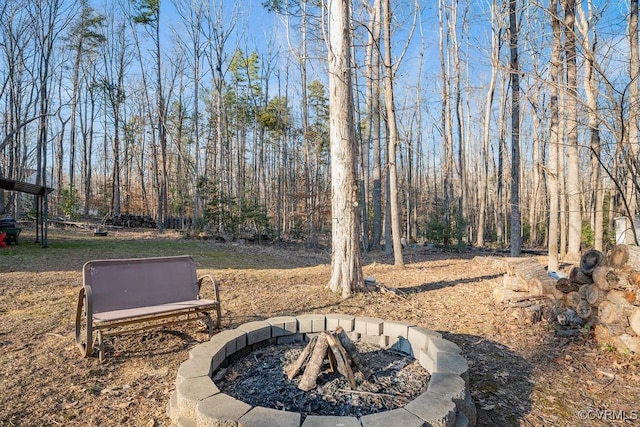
(100, 346)
(209, 322)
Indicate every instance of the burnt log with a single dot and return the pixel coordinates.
(293, 369)
(314, 365)
(565, 286)
(590, 260)
(576, 275)
(338, 349)
(342, 360)
(583, 309)
(353, 352)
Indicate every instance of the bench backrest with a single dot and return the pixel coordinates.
(118, 284)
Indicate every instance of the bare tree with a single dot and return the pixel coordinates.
(516, 220)
(346, 267)
(555, 140)
(372, 136)
(392, 137)
(573, 166)
(85, 36)
(446, 131)
(585, 24)
(147, 13)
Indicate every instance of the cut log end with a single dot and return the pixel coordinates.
(618, 256)
(590, 260)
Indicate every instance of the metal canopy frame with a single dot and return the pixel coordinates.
(42, 204)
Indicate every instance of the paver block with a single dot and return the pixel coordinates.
(452, 362)
(440, 344)
(265, 417)
(435, 409)
(450, 385)
(379, 340)
(395, 417)
(256, 331)
(235, 340)
(192, 391)
(216, 350)
(193, 368)
(214, 411)
(419, 338)
(311, 323)
(426, 361)
(368, 325)
(344, 320)
(395, 329)
(283, 325)
(330, 421)
(290, 339)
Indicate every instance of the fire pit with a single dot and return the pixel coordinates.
(197, 399)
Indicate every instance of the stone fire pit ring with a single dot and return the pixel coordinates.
(197, 401)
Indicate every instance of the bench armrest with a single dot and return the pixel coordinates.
(210, 278)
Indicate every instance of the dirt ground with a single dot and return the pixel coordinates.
(521, 375)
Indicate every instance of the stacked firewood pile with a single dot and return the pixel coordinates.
(604, 292)
(527, 289)
(131, 221)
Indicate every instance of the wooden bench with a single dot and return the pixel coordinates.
(126, 295)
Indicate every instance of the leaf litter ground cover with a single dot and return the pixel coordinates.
(520, 375)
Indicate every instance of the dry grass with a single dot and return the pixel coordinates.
(520, 375)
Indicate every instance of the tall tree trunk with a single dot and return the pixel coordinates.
(393, 139)
(373, 130)
(447, 143)
(573, 167)
(346, 267)
(516, 221)
(500, 202)
(555, 140)
(634, 104)
(372, 59)
(460, 130)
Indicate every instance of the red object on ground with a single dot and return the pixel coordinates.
(2, 237)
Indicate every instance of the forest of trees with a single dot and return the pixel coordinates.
(477, 121)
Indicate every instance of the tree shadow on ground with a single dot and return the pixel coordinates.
(424, 287)
(500, 380)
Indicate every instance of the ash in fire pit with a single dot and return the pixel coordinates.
(259, 379)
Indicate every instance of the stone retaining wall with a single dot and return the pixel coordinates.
(197, 401)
